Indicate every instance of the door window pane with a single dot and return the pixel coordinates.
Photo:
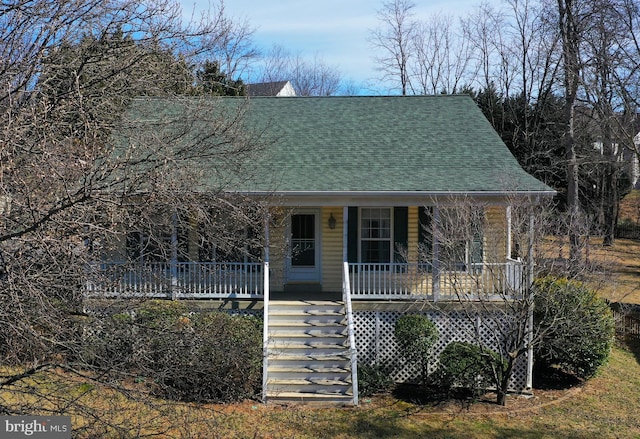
(303, 240)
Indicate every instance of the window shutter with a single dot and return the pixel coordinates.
(400, 233)
(352, 235)
(425, 234)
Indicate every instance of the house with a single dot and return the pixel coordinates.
(626, 157)
(381, 204)
(276, 88)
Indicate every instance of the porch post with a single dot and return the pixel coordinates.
(265, 309)
(174, 256)
(435, 267)
(345, 233)
(529, 293)
(509, 232)
(345, 246)
(265, 270)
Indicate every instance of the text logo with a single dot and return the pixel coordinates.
(49, 427)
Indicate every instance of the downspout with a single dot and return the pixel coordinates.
(265, 310)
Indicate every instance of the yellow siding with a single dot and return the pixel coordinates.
(277, 248)
(495, 236)
(331, 255)
(412, 241)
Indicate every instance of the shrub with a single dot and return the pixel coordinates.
(467, 366)
(416, 335)
(210, 357)
(373, 379)
(576, 327)
(205, 356)
(159, 314)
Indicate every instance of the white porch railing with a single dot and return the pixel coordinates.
(491, 281)
(177, 280)
(246, 280)
(353, 352)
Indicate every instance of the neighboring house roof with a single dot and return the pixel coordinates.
(375, 146)
(279, 88)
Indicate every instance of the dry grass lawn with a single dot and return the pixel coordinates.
(613, 271)
(604, 407)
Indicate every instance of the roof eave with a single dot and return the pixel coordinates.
(393, 198)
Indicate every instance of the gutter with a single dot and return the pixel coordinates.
(393, 198)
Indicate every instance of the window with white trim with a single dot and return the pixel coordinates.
(376, 240)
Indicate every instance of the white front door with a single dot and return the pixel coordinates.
(304, 254)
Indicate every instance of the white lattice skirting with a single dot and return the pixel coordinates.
(376, 343)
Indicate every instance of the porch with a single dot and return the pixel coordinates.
(247, 280)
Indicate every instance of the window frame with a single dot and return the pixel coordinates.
(389, 239)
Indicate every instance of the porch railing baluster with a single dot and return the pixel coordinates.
(245, 280)
(409, 280)
(186, 279)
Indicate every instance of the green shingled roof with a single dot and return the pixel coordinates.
(378, 144)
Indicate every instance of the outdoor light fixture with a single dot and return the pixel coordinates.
(332, 222)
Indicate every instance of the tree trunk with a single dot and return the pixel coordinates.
(502, 388)
(570, 37)
(610, 190)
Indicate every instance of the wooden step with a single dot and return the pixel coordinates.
(283, 356)
(307, 369)
(298, 333)
(305, 303)
(308, 353)
(308, 381)
(305, 397)
(305, 324)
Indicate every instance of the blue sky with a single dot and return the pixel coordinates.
(335, 30)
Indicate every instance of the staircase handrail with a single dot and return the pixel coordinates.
(346, 296)
(265, 331)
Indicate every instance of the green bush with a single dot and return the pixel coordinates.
(416, 335)
(576, 327)
(372, 379)
(210, 357)
(203, 356)
(467, 366)
(160, 314)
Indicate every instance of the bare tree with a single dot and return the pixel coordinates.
(231, 46)
(393, 37)
(84, 163)
(608, 85)
(308, 77)
(497, 301)
(569, 24)
(483, 28)
(442, 57)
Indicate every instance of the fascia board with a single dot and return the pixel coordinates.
(387, 198)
